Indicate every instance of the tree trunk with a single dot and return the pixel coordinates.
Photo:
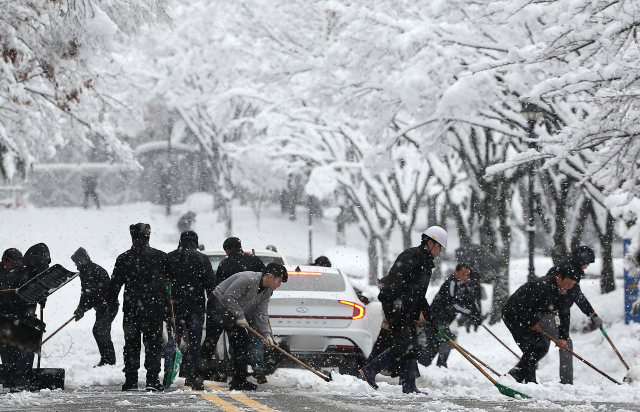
(406, 237)
(501, 282)
(607, 280)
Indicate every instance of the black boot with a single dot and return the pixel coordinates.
(408, 377)
(381, 362)
(130, 383)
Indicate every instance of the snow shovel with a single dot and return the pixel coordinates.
(503, 389)
(176, 356)
(576, 355)
(627, 379)
(290, 356)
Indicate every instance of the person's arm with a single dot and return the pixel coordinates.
(240, 286)
(116, 283)
(262, 316)
(576, 296)
(208, 276)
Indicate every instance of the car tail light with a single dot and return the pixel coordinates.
(358, 310)
(305, 273)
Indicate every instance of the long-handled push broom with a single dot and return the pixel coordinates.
(503, 389)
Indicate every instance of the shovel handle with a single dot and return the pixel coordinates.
(58, 330)
(464, 353)
(614, 347)
(503, 344)
(299, 362)
(577, 356)
(481, 363)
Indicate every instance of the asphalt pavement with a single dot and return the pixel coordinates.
(218, 398)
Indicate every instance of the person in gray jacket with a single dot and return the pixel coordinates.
(226, 309)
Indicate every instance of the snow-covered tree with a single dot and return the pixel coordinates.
(60, 78)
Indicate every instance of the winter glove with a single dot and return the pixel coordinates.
(243, 322)
(269, 341)
(79, 314)
(597, 322)
(397, 305)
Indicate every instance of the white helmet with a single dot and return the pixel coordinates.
(438, 234)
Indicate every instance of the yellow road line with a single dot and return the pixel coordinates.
(220, 403)
(251, 403)
(238, 397)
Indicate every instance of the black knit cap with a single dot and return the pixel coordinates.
(140, 230)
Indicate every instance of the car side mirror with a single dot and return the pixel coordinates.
(364, 299)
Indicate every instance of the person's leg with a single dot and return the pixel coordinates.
(240, 342)
(131, 352)
(257, 349)
(152, 339)
(102, 335)
(445, 347)
(215, 327)
(534, 347)
(430, 350)
(195, 326)
(566, 365)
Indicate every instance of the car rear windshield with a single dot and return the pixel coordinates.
(216, 259)
(325, 282)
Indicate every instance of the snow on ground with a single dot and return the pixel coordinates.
(104, 234)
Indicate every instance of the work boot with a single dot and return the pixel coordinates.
(198, 384)
(381, 362)
(103, 363)
(243, 385)
(188, 382)
(154, 386)
(408, 377)
(130, 384)
(260, 377)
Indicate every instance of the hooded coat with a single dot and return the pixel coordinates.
(143, 271)
(535, 298)
(94, 281)
(192, 278)
(35, 260)
(408, 280)
(580, 256)
(237, 262)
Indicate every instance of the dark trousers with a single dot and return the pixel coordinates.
(17, 366)
(150, 330)
(218, 321)
(191, 325)
(102, 334)
(437, 346)
(403, 331)
(534, 347)
(549, 325)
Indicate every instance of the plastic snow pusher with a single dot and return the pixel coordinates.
(176, 356)
(503, 389)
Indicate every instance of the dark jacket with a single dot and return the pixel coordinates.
(143, 271)
(575, 293)
(192, 278)
(94, 281)
(237, 262)
(408, 280)
(35, 260)
(533, 299)
(453, 298)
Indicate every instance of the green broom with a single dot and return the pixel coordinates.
(176, 356)
(503, 389)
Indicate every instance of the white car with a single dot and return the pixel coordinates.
(267, 256)
(323, 318)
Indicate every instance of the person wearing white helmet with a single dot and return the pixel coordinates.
(403, 297)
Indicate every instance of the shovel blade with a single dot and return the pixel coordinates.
(174, 368)
(511, 392)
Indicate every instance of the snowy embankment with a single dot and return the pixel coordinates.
(104, 234)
